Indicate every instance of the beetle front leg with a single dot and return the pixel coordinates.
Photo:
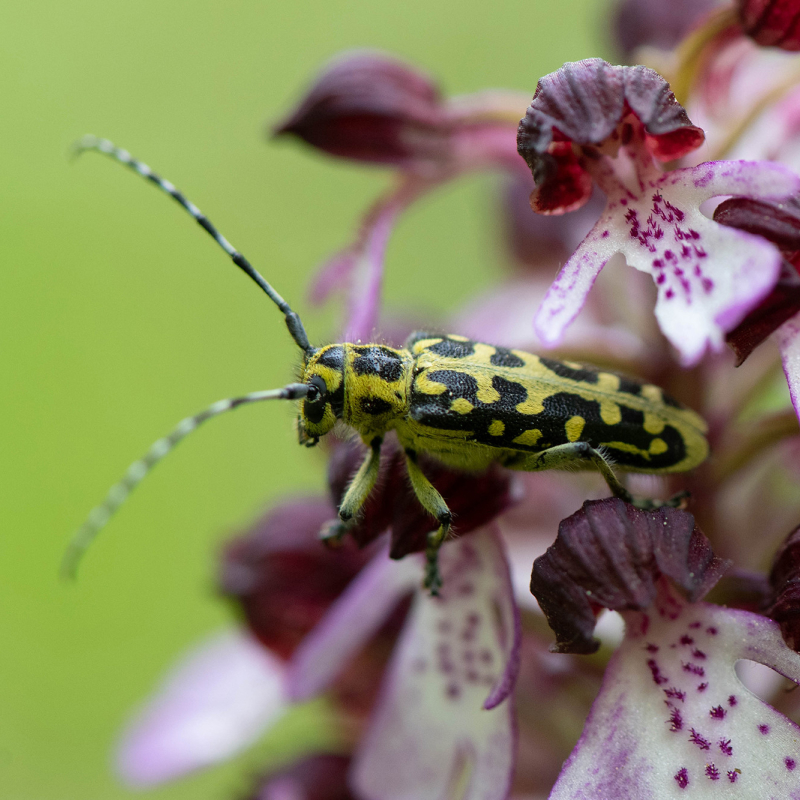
(434, 504)
(356, 495)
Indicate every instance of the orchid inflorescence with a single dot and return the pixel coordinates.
(481, 693)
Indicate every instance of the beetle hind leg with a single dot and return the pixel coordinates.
(563, 456)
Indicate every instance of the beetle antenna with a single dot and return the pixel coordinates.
(137, 471)
(293, 323)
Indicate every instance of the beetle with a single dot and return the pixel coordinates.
(467, 404)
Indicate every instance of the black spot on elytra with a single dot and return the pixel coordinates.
(376, 360)
(582, 374)
(448, 348)
(505, 358)
(629, 385)
(375, 405)
(671, 401)
(333, 357)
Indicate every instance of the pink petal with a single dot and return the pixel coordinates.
(352, 619)
(761, 180)
(359, 267)
(708, 276)
(788, 337)
(673, 719)
(218, 700)
(568, 293)
(432, 726)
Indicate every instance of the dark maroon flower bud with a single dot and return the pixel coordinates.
(780, 224)
(283, 577)
(588, 105)
(318, 777)
(370, 107)
(655, 22)
(474, 499)
(772, 23)
(611, 555)
(785, 582)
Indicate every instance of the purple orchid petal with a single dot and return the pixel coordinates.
(332, 276)
(638, 23)
(673, 719)
(281, 576)
(432, 728)
(322, 776)
(708, 276)
(371, 107)
(359, 267)
(784, 580)
(350, 622)
(788, 337)
(771, 23)
(589, 105)
(612, 555)
(216, 702)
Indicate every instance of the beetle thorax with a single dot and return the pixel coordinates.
(377, 381)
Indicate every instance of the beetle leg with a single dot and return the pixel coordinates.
(434, 504)
(361, 485)
(565, 455)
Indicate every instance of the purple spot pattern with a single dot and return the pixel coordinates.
(677, 255)
(708, 733)
(682, 778)
(458, 655)
(453, 652)
(708, 276)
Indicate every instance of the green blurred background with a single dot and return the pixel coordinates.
(119, 318)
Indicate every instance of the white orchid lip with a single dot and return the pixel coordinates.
(672, 718)
(708, 277)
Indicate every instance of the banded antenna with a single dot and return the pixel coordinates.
(137, 471)
(293, 323)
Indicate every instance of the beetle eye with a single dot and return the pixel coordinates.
(316, 390)
(315, 403)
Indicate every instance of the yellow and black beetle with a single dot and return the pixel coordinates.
(465, 403)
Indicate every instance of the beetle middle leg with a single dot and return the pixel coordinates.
(434, 504)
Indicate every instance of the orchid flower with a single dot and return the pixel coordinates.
(465, 695)
(594, 123)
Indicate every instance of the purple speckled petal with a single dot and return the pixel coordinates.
(672, 718)
(216, 702)
(349, 623)
(788, 337)
(431, 730)
(708, 276)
